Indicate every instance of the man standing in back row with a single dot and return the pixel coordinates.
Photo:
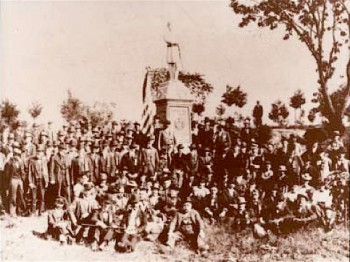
(258, 114)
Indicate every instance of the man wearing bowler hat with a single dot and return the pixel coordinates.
(193, 163)
(38, 179)
(205, 135)
(132, 160)
(16, 175)
(167, 138)
(59, 175)
(139, 136)
(150, 158)
(135, 221)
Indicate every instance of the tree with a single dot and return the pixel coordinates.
(98, 114)
(9, 114)
(234, 97)
(198, 108)
(279, 113)
(337, 98)
(198, 86)
(35, 110)
(296, 101)
(323, 26)
(220, 110)
(71, 108)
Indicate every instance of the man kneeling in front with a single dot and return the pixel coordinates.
(188, 225)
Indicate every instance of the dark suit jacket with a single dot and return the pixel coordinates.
(180, 162)
(233, 164)
(133, 163)
(206, 138)
(15, 169)
(196, 219)
(58, 171)
(38, 171)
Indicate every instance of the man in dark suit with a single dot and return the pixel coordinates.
(135, 221)
(206, 161)
(179, 165)
(59, 175)
(257, 114)
(133, 161)
(193, 160)
(38, 179)
(221, 140)
(106, 222)
(16, 174)
(247, 133)
(205, 135)
(228, 200)
(150, 158)
(233, 161)
(139, 136)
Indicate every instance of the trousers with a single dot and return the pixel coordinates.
(16, 188)
(38, 196)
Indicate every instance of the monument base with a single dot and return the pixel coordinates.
(174, 103)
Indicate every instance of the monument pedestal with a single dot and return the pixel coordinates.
(174, 103)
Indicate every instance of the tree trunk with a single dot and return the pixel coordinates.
(347, 88)
(336, 123)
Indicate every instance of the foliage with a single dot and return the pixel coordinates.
(198, 86)
(323, 26)
(74, 110)
(234, 96)
(198, 108)
(35, 110)
(296, 101)
(337, 98)
(98, 114)
(279, 112)
(71, 108)
(9, 114)
(220, 110)
(264, 134)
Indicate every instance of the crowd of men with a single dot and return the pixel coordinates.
(114, 183)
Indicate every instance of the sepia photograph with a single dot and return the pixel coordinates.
(175, 130)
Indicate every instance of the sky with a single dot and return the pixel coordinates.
(99, 50)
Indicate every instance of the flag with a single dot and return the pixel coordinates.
(148, 105)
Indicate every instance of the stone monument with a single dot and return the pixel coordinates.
(174, 99)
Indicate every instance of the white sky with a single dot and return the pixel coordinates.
(99, 50)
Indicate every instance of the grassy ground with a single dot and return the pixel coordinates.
(20, 240)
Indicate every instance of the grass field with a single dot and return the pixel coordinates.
(20, 241)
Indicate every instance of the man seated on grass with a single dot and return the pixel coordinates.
(80, 212)
(241, 217)
(58, 224)
(188, 225)
(106, 223)
(134, 223)
(305, 213)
